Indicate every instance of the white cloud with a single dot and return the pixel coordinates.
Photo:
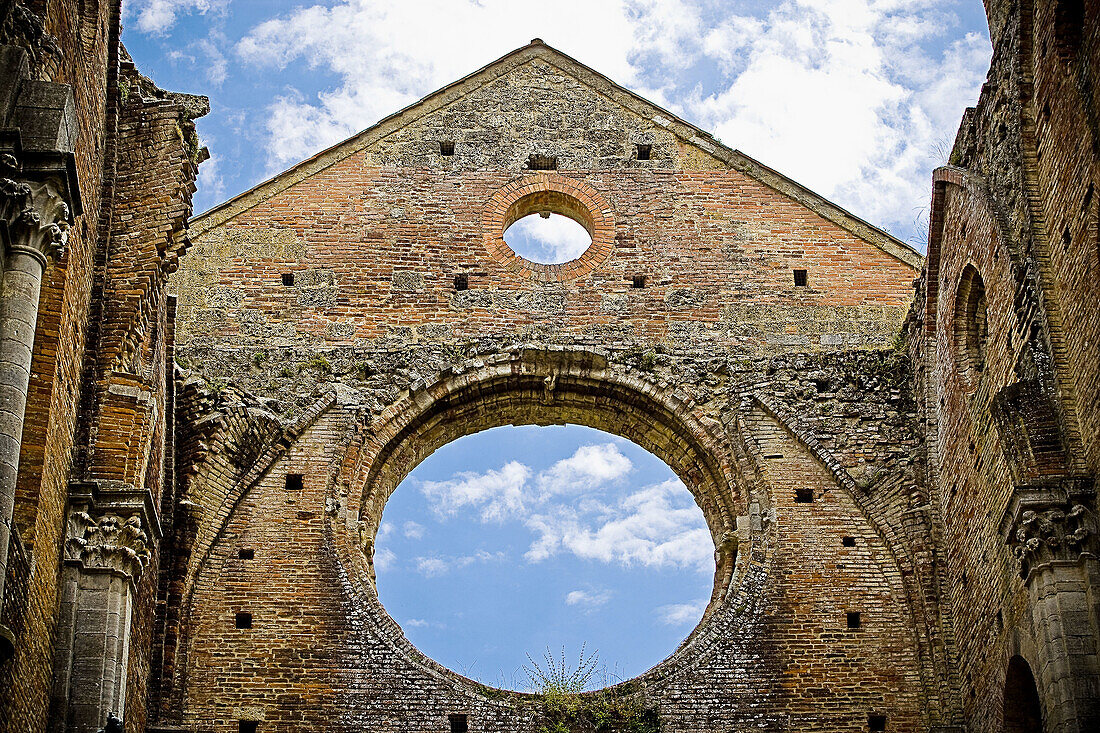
(435, 565)
(572, 510)
(210, 180)
(217, 66)
(158, 16)
(503, 493)
(591, 466)
(681, 614)
(384, 558)
(497, 494)
(413, 530)
(431, 566)
(842, 95)
(417, 623)
(551, 240)
(205, 55)
(587, 599)
(387, 55)
(658, 526)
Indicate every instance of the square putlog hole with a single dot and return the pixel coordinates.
(638, 281)
(246, 553)
(643, 151)
(294, 482)
(462, 282)
(539, 162)
(876, 722)
(248, 726)
(855, 621)
(243, 620)
(446, 147)
(848, 541)
(288, 279)
(803, 496)
(458, 723)
(800, 278)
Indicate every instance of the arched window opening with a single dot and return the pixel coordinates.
(515, 545)
(1022, 709)
(971, 327)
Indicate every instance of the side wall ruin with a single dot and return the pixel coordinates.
(1005, 340)
(98, 168)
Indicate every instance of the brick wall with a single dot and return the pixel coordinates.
(747, 384)
(718, 251)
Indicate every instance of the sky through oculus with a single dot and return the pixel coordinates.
(550, 239)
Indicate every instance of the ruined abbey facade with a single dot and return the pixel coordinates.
(201, 419)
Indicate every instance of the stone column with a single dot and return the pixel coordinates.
(111, 528)
(34, 219)
(1052, 528)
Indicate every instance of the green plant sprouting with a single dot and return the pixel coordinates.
(558, 677)
(567, 708)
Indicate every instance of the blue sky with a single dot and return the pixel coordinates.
(857, 99)
(522, 539)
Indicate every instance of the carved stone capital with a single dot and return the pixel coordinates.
(22, 28)
(1051, 522)
(36, 216)
(109, 542)
(111, 528)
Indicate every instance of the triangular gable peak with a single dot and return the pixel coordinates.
(534, 107)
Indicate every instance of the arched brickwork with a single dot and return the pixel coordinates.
(784, 579)
(546, 387)
(1022, 709)
(971, 327)
(554, 193)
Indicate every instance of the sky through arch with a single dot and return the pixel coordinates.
(517, 540)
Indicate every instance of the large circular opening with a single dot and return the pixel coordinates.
(536, 387)
(515, 544)
(548, 238)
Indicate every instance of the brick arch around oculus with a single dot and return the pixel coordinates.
(546, 387)
(553, 193)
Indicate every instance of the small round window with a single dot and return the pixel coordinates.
(971, 326)
(548, 238)
(547, 227)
